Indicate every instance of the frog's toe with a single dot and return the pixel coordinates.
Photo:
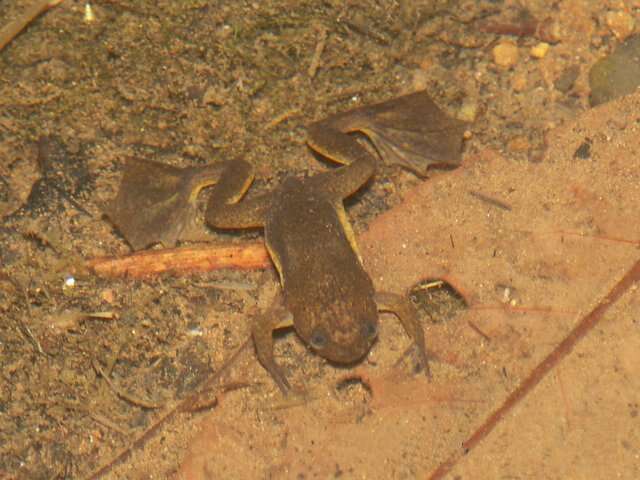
(413, 132)
(294, 398)
(422, 363)
(281, 380)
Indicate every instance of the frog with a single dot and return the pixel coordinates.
(326, 293)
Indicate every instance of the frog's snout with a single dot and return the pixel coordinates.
(345, 347)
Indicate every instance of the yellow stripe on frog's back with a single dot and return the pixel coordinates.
(348, 229)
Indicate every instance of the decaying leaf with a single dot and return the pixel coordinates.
(410, 131)
(156, 202)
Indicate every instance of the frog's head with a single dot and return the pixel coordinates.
(342, 335)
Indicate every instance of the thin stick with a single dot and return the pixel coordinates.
(181, 261)
(315, 60)
(546, 30)
(292, 112)
(551, 361)
(140, 402)
(476, 329)
(185, 405)
(490, 200)
(10, 31)
(102, 420)
(24, 328)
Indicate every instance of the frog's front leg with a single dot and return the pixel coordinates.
(408, 315)
(262, 331)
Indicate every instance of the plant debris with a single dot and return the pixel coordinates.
(33, 11)
(182, 261)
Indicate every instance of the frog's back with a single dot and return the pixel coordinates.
(305, 233)
(324, 282)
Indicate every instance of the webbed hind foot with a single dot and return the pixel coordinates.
(410, 131)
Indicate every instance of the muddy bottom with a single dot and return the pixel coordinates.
(152, 378)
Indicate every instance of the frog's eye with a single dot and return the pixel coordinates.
(318, 338)
(369, 330)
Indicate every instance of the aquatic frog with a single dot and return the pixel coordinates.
(325, 289)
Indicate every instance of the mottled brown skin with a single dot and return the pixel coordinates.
(325, 287)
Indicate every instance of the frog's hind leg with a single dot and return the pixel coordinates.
(410, 131)
(406, 312)
(223, 209)
(344, 149)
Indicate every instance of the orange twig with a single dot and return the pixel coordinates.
(547, 30)
(10, 31)
(180, 261)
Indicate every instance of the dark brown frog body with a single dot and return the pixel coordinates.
(326, 291)
(325, 287)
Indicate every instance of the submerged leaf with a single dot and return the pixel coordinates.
(156, 202)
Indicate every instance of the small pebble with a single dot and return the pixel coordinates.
(89, 16)
(540, 50)
(617, 74)
(519, 83)
(469, 111)
(567, 78)
(69, 281)
(214, 96)
(420, 79)
(620, 23)
(195, 331)
(505, 54)
(518, 144)
(224, 32)
(108, 296)
(67, 376)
